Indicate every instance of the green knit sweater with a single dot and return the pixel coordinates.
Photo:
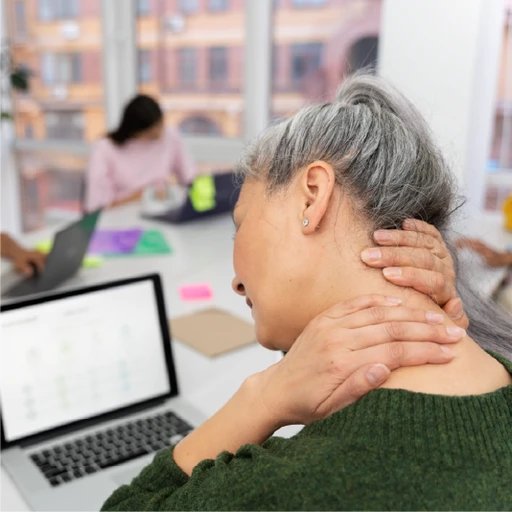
(392, 450)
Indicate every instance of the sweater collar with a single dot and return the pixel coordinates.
(442, 429)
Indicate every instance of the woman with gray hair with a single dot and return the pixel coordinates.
(433, 436)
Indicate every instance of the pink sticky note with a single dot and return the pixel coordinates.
(201, 291)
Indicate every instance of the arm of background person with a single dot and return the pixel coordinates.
(23, 260)
(99, 187)
(492, 257)
(182, 165)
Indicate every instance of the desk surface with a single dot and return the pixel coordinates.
(202, 252)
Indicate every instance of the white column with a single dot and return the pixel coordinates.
(444, 55)
(258, 60)
(119, 56)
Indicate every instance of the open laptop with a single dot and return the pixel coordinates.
(88, 391)
(65, 258)
(226, 196)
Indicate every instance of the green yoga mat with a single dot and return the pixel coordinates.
(151, 242)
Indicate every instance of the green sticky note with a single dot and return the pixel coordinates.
(152, 242)
(202, 193)
(89, 261)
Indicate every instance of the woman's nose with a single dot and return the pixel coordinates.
(238, 287)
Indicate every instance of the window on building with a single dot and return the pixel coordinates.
(143, 8)
(363, 54)
(61, 68)
(217, 5)
(64, 125)
(19, 18)
(144, 66)
(199, 125)
(306, 58)
(218, 71)
(308, 3)
(188, 6)
(28, 132)
(58, 9)
(187, 66)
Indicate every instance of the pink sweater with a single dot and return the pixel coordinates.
(117, 172)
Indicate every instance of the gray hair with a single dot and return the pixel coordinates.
(385, 160)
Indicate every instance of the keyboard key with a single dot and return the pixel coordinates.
(128, 456)
(90, 470)
(78, 473)
(66, 478)
(55, 472)
(46, 453)
(54, 482)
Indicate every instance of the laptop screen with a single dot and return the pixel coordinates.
(80, 356)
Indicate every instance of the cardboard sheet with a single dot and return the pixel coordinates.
(213, 331)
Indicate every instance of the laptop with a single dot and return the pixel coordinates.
(88, 391)
(226, 196)
(65, 258)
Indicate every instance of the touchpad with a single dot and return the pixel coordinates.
(125, 476)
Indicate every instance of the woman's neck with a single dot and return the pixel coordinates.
(472, 371)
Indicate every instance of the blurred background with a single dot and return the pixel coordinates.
(221, 74)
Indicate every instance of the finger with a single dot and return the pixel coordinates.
(422, 227)
(455, 310)
(429, 282)
(38, 260)
(362, 381)
(397, 331)
(378, 315)
(400, 238)
(24, 268)
(363, 302)
(398, 355)
(380, 257)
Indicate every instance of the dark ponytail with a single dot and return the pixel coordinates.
(141, 113)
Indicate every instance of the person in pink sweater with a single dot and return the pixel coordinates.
(141, 152)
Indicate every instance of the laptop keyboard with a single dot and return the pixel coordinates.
(86, 455)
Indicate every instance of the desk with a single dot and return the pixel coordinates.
(202, 251)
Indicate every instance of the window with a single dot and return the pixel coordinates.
(199, 125)
(64, 125)
(58, 9)
(312, 53)
(61, 68)
(308, 3)
(29, 132)
(144, 66)
(218, 70)
(188, 6)
(19, 15)
(305, 59)
(187, 66)
(142, 7)
(217, 5)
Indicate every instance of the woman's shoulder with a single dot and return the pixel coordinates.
(171, 133)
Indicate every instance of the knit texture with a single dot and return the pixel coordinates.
(392, 450)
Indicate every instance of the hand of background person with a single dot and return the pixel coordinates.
(492, 257)
(417, 257)
(346, 352)
(24, 261)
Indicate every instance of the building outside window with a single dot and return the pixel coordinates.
(306, 58)
(64, 125)
(199, 125)
(187, 66)
(143, 7)
(19, 17)
(61, 68)
(308, 3)
(58, 9)
(145, 74)
(188, 6)
(218, 61)
(217, 5)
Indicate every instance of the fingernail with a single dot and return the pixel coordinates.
(371, 255)
(456, 332)
(377, 374)
(448, 351)
(434, 318)
(392, 271)
(408, 223)
(394, 300)
(457, 310)
(382, 235)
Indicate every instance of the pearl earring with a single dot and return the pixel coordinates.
(305, 222)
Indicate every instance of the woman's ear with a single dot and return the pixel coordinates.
(316, 185)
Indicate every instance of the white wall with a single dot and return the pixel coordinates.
(444, 55)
